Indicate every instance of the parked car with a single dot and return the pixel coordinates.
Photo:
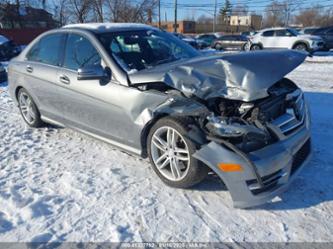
(8, 49)
(3, 73)
(230, 42)
(308, 30)
(248, 34)
(327, 35)
(205, 40)
(149, 93)
(189, 40)
(285, 38)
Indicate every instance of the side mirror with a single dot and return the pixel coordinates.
(92, 72)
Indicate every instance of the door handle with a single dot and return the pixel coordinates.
(29, 69)
(64, 79)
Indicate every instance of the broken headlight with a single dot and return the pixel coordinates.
(246, 136)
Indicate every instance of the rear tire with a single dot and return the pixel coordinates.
(170, 153)
(218, 47)
(255, 47)
(29, 109)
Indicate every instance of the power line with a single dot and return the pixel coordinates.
(165, 4)
(206, 8)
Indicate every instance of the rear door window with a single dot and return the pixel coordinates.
(268, 33)
(47, 50)
(281, 32)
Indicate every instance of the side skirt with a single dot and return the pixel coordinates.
(109, 141)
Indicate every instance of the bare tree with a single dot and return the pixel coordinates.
(240, 10)
(274, 14)
(80, 9)
(126, 11)
(205, 19)
(315, 16)
(309, 17)
(61, 12)
(98, 7)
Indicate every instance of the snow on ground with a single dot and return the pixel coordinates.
(57, 184)
(321, 56)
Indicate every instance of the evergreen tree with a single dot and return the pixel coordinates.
(226, 10)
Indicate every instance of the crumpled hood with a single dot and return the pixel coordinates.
(242, 76)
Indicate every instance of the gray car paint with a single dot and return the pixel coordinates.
(242, 76)
(121, 115)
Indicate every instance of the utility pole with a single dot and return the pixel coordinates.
(214, 22)
(159, 14)
(287, 14)
(175, 24)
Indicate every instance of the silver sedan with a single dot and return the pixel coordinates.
(149, 93)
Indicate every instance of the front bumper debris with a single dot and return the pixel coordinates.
(276, 164)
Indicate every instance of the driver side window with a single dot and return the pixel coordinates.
(80, 52)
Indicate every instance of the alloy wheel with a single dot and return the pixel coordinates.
(170, 153)
(26, 107)
(301, 47)
(255, 47)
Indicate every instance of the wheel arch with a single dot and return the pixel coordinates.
(145, 131)
(16, 91)
(306, 43)
(259, 44)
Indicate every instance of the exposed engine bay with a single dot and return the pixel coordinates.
(245, 124)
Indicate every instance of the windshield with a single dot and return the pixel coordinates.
(138, 50)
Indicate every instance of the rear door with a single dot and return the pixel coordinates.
(281, 40)
(226, 42)
(268, 39)
(40, 71)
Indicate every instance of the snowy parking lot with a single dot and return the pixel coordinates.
(59, 185)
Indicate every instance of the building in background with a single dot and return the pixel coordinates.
(182, 26)
(254, 22)
(14, 16)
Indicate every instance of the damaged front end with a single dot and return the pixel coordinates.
(248, 124)
(251, 125)
(269, 140)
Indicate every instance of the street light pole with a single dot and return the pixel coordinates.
(159, 13)
(214, 23)
(175, 24)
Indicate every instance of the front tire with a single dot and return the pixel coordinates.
(170, 153)
(28, 109)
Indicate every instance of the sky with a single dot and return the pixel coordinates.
(188, 9)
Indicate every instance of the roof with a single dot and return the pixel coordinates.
(275, 28)
(102, 27)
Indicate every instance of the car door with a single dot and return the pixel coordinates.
(282, 39)
(40, 70)
(102, 108)
(234, 42)
(241, 40)
(226, 42)
(268, 39)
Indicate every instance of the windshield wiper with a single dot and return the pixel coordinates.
(170, 59)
